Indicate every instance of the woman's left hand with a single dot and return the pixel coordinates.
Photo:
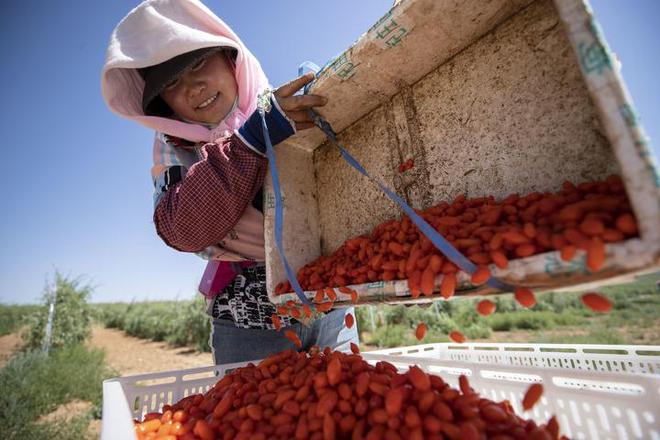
(296, 106)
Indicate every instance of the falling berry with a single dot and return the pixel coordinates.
(420, 331)
(525, 297)
(457, 337)
(596, 302)
(486, 307)
(532, 395)
(349, 320)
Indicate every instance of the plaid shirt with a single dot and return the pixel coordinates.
(200, 196)
(201, 203)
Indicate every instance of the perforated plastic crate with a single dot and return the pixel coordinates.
(596, 391)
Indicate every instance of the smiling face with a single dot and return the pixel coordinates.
(205, 92)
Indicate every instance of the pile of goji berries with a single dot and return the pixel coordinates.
(329, 395)
(584, 216)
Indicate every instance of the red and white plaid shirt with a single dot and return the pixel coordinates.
(201, 206)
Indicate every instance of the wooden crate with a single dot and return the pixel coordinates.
(489, 98)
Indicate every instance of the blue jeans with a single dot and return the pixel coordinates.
(231, 344)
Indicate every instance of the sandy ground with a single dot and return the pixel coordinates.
(125, 354)
(129, 355)
(8, 345)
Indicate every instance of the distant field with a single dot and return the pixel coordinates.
(179, 323)
(12, 316)
(557, 318)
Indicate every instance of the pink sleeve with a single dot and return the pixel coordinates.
(200, 210)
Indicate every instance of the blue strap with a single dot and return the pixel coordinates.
(279, 128)
(270, 153)
(436, 238)
(311, 66)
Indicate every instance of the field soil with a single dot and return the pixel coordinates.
(128, 355)
(125, 354)
(8, 345)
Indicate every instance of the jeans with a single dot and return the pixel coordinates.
(231, 344)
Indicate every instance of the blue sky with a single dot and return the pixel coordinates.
(76, 177)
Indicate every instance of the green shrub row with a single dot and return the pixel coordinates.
(34, 384)
(179, 323)
(13, 317)
(636, 304)
(185, 323)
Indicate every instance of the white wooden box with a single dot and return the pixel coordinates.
(489, 98)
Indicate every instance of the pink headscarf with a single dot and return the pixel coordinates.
(157, 30)
(153, 32)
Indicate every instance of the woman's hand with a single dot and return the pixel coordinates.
(295, 106)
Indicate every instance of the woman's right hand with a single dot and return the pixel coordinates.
(296, 106)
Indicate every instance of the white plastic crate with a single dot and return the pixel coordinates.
(129, 397)
(596, 391)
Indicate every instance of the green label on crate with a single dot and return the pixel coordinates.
(629, 115)
(594, 57)
(391, 33)
(343, 67)
(376, 285)
(641, 141)
(642, 147)
(556, 267)
(390, 30)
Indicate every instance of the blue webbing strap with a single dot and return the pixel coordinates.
(436, 238)
(270, 153)
(314, 68)
(309, 65)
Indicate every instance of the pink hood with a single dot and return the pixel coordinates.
(158, 30)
